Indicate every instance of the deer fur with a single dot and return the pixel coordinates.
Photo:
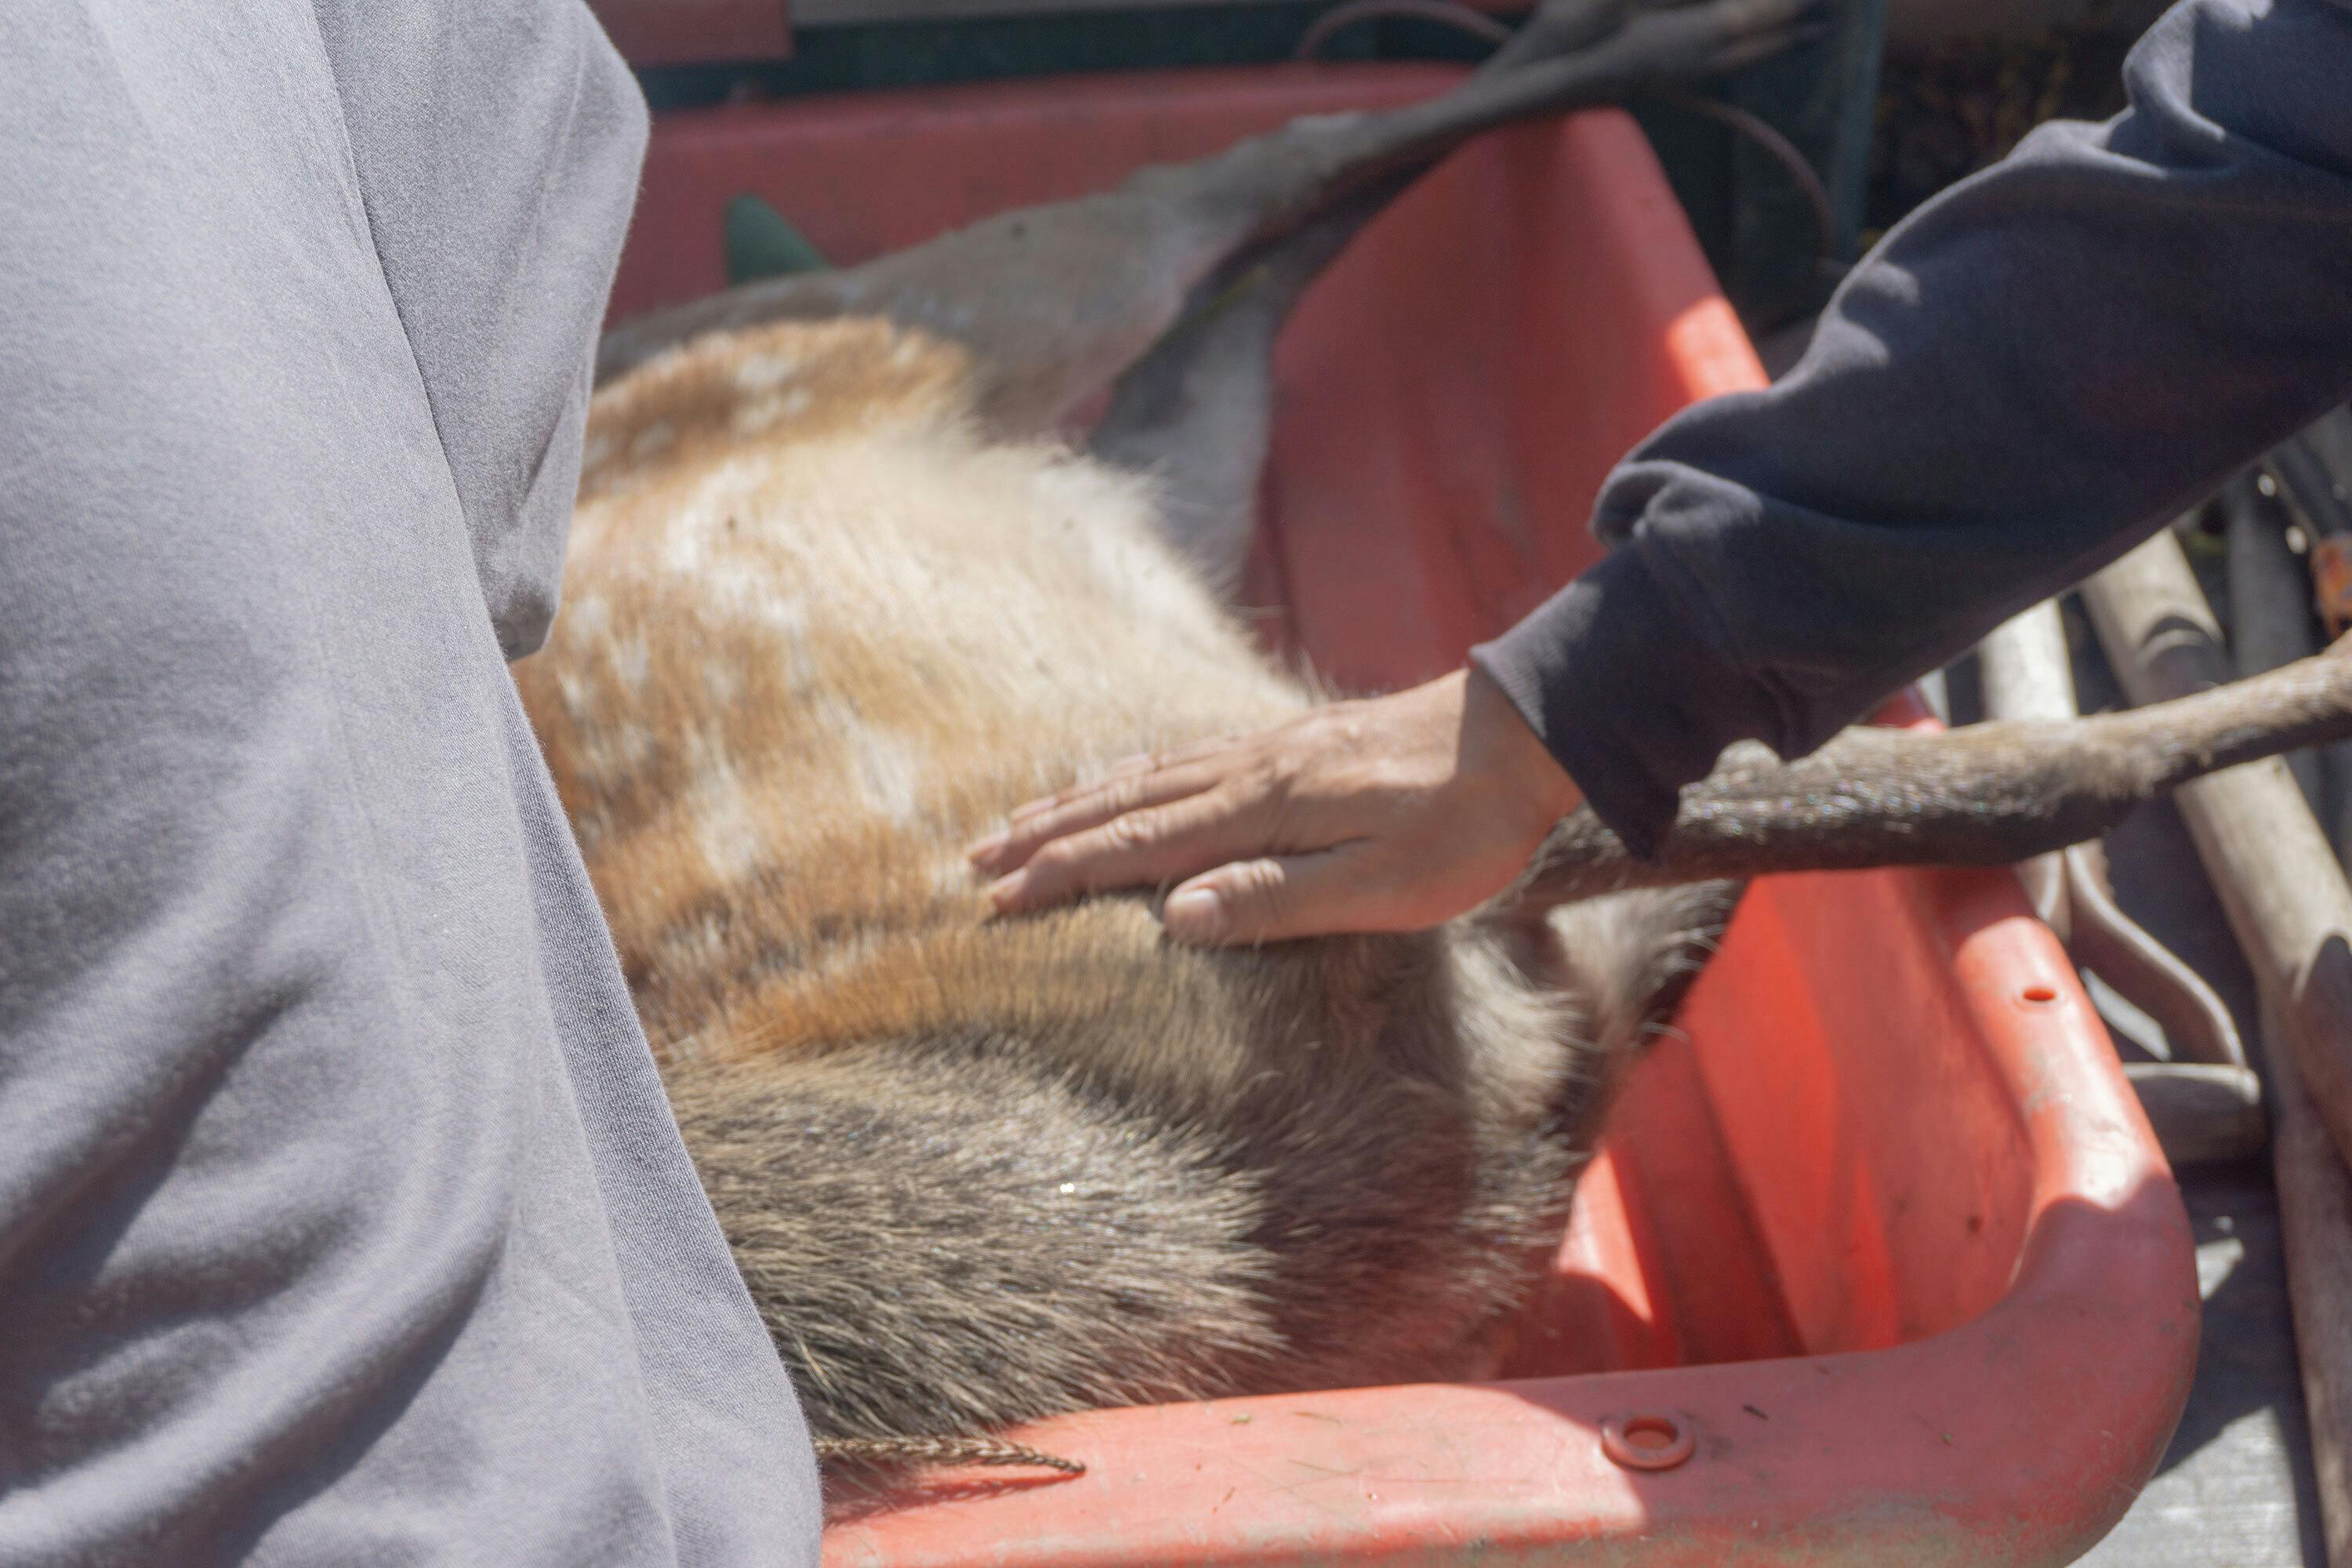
(818, 635)
(834, 605)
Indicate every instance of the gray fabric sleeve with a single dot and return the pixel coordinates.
(2028, 376)
(342, 1216)
(493, 197)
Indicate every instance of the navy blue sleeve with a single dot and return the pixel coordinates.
(2029, 374)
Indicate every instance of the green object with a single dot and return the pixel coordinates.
(761, 242)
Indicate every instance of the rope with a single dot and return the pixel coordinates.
(942, 1451)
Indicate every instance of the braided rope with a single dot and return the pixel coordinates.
(942, 1451)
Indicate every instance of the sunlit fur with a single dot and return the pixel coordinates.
(816, 635)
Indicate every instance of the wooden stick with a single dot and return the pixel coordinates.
(2024, 671)
(2273, 869)
(1987, 794)
(2206, 1105)
(2270, 601)
(2315, 1222)
(2287, 900)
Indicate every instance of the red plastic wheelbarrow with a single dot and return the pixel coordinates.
(1881, 1264)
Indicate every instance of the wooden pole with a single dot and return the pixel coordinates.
(2287, 899)
(2025, 673)
(2205, 1105)
(2316, 1221)
(2275, 872)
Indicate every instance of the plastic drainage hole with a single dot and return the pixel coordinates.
(2039, 996)
(1647, 1442)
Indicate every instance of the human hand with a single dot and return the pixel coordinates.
(1396, 813)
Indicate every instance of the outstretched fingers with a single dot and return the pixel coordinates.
(1123, 791)
(1277, 898)
(1139, 847)
(1395, 813)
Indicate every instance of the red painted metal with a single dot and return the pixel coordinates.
(697, 32)
(1884, 1236)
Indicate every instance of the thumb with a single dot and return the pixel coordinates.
(1275, 899)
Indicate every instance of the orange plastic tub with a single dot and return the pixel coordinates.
(1881, 1264)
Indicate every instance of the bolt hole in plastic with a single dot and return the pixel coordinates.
(1647, 1442)
(2039, 996)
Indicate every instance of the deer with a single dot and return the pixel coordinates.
(839, 593)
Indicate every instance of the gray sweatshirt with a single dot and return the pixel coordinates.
(2032, 373)
(342, 1219)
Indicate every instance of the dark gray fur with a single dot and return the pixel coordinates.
(1359, 1209)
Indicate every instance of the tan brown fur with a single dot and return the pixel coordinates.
(837, 648)
(817, 635)
(832, 609)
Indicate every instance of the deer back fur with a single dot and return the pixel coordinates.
(817, 635)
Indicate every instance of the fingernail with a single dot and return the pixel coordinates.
(1194, 914)
(1136, 763)
(1005, 891)
(986, 848)
(1024, 812)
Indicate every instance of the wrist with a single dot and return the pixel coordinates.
(1499, 742)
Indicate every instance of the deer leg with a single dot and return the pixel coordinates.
(1196, 413)
(1988, 794)
(1053, 302)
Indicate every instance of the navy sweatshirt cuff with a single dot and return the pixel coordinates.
(1625, 694)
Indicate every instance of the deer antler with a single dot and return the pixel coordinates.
(1988, 794)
